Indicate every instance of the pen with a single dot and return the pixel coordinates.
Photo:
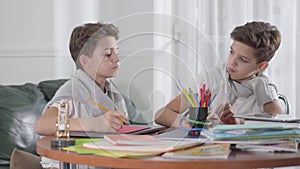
(106, 109)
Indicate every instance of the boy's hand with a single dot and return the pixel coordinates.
(114, 120)
(226, 113)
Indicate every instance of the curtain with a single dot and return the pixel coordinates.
(201, 39)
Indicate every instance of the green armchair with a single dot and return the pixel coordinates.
(20, 107)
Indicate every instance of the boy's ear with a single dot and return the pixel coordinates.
(83, 59)
(263, 66)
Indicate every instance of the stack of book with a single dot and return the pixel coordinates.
(140, 144)
(257, 137)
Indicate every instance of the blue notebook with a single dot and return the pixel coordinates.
(290, 133)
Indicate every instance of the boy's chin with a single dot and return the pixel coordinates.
(114, 75)
(233, 78)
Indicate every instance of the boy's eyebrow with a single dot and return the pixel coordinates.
(245, 57)
(107, 48)
(115, 46)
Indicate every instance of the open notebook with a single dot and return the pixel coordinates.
(268, 119)
(126, 129)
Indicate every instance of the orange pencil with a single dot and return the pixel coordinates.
(106, 109)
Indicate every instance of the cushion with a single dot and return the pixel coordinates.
(49, 87)
(20, 107)
(4, 164)
(24, 160)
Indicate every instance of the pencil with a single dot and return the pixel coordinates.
(188, 97)
(105, 109)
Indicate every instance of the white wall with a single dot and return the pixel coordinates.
(26, 42)
(35, 35)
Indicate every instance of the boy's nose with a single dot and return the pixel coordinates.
(234, 60)
(115, 56)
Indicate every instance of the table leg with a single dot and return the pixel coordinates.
(63, 165)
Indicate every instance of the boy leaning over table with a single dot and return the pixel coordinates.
(243, 86)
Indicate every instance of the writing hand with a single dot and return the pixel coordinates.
(115, 119)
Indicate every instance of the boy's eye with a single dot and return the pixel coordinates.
(108, 54)
(244, 59)
(111, 50)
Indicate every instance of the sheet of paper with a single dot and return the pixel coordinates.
(166, 145)
(127, 139)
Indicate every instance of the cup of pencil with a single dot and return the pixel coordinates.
(197, 119)
(198, 104)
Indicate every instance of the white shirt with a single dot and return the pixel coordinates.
(78, 90)
(246, 98)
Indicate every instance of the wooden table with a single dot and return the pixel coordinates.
(237, 159)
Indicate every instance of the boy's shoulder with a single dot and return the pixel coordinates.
(261, 82)
(262, 78)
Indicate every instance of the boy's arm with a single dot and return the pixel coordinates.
(45, 125)
(108, 122)
(267, 96)
(170, 115)
(273, 108)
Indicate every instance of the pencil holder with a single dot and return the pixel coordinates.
(197, 119)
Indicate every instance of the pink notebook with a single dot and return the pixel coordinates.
(132, 128)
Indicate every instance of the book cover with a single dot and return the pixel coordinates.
(210, 151)
(287, 146)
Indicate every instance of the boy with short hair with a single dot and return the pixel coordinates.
(243, 87)
(94, 49)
